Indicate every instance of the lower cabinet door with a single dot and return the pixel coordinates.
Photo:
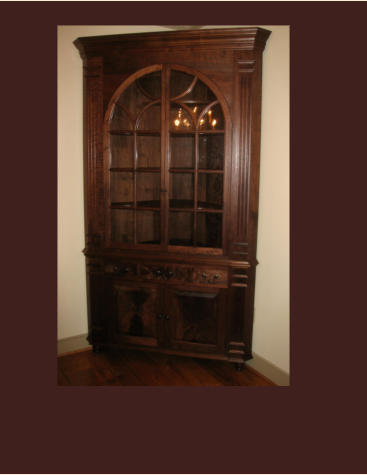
(135, 314)
(196, 319)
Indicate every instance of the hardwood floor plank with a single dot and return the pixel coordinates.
(140, 368)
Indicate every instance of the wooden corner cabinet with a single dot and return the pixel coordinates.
(171, 156)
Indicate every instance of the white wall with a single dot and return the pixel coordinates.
(271, 324)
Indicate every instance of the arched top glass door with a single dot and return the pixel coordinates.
(165, 149)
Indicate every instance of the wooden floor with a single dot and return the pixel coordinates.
(138, 368)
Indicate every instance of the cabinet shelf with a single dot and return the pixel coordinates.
(131, 170)
(151, 205)
(193, 132)
(174, 205)
(188, 205)
(156, 133)
(192, 170)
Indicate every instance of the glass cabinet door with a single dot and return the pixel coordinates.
(196, 163)
(135, 142)
(168, 117)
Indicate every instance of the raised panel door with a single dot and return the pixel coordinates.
(195, 319)
(136, 313)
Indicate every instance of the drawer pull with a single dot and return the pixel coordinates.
(119, 270)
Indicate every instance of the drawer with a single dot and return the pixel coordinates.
(184, 274)
(168, 273)
(121, 269)
(210, 276)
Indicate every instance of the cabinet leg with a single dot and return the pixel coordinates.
(239, 366)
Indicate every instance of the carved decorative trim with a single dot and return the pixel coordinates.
(243, 39)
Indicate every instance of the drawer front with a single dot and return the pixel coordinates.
(168, 273)
(177, 274)
(122, 269)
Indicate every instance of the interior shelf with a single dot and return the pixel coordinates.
(192, 170)
(175, 205)
(193, 132)
(188, 205)
(140, 169)
(153, 205)
(137, 132)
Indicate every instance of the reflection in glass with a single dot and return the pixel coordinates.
(180, 119)
(212, 119)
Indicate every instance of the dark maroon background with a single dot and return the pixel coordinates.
(318, 425)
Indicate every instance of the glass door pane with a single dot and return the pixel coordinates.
(122, 226)
(209, 230)
(148, 227)
(122, 150)
(122, 188)
(181, 190)
(148, 151)
(182, 151)
(148, 190)
(181, 228)
(211, 151)
(210, 191)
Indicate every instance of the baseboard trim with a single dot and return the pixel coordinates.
(268, 370)
(79, 343)
(73, 344)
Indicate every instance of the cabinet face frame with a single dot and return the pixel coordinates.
(229, 61)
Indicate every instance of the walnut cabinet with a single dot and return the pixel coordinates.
(171, 157)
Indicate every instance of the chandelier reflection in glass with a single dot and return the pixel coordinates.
(206, 122)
